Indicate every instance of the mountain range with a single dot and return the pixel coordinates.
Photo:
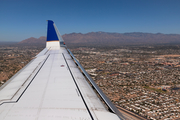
(105, 38)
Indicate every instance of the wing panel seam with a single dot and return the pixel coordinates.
(78, 89)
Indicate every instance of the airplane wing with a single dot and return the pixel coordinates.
(54, 86)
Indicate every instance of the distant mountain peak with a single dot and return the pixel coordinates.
(33, 40)
(106, 38)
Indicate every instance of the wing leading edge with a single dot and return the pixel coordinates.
(52, 87)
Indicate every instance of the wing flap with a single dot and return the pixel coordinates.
(8, 92)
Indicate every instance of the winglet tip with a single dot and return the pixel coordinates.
(52, 35)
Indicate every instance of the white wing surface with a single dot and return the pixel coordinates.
(54, 86)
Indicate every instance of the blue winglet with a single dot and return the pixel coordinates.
(51, 32)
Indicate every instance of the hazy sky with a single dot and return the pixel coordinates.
(21, 19)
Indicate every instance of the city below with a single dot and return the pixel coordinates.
(142, 80)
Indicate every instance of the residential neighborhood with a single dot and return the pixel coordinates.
(146, 82)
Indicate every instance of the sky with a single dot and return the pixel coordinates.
(22, 19)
